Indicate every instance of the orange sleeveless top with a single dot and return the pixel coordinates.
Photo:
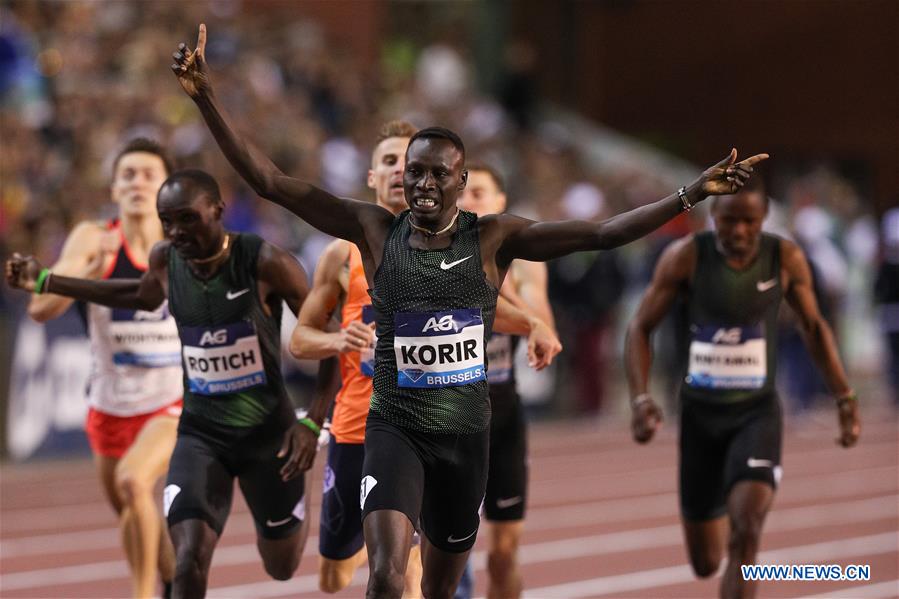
(351, 404)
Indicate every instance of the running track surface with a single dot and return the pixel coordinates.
(602, 522)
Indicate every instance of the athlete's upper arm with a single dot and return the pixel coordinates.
(799, 287)
(152, 290)
(283, 275)
(540, 241)
(673, 271)
(81, 247)
(327, 288)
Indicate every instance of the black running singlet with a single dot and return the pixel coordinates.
(231, 349)
(434, 311)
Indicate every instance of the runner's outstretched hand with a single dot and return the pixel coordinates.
(728, 176)
(190, 67)
(22, 271)
(543, 345)
(850, 425)
(646, 419)
(300, 446)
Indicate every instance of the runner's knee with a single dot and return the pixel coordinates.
(501, 560)
(131, 486)
(281, 568)
(334, 576)
(705, 565)
(191, 566)
(437, 589)
(386, 581)
(746, 530)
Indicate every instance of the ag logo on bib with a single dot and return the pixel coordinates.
(446, 323)
(218, 337)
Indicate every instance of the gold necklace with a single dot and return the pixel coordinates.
(431, 233)
(217, 255)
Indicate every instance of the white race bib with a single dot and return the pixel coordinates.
(727, 358)
(499, 358)
(367, 355)
(439, 349)
(144, 339)
(222, 359)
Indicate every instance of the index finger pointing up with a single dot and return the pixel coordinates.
(754, 159)
(201, 41)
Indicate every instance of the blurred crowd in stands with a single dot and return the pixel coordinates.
(78, 79)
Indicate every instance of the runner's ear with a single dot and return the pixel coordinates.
(464, 180)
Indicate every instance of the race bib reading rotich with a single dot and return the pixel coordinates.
(222, 359)
(727, 357)
(439, 349)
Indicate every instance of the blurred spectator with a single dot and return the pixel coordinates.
(886, 294)
(78, 77)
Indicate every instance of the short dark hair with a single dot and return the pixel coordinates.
(440, 133)
(494, 174)
(754, 184)
(144, 144)
(200, 179)
(396, 128)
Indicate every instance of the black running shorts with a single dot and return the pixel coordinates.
(340, 529)
(206, 460)
(507, 478)
(437, 480)
(722, 444)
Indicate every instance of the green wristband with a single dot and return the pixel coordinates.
(41, 279)
(851, 396)
(308, 422)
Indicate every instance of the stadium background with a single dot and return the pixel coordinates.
(587, 109)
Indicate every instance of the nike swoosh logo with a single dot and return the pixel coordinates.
(754, 463)
(450, 538)
(446, 266)
(235, 294)
(508, 502)
(763, 286)
(271, 524)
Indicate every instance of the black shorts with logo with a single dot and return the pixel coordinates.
(209, 456)
(722, 444)
(340, 529)
(437, 480)
(507, 478)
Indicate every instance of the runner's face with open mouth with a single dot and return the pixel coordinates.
(433, 179)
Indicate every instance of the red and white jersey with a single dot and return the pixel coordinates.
(136, 354)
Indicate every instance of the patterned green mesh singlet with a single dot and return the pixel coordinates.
(732, 320)
(411, 280)
(227, 383)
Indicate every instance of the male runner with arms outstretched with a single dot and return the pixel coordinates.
(134, 390)
(225, 291)
(434, 273)
(339, 285)
(732, 279)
